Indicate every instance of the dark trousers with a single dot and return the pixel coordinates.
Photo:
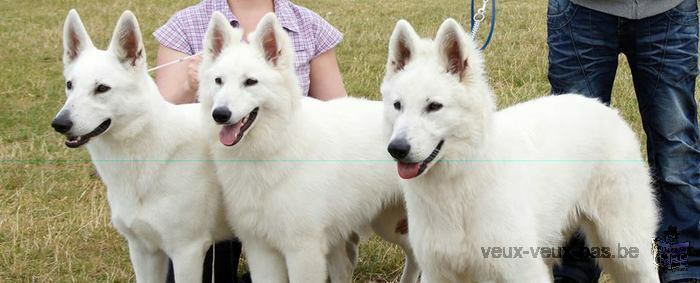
(662, 51)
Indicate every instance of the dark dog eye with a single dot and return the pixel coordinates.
(250, 82)
(397, 105)
(69, 85)
(433, 106)
(102, 89)
(218, 81)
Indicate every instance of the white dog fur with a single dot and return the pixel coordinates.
(306, 173)
(525, 176)
(162, 191)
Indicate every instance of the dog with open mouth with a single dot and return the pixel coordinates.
(526, 176)
(299, 175)
(164, 209)
(232, 133)
(63, 124)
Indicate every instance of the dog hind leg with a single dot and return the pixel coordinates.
(411, 270)
(622, 216)
(524, 270)
(385, 226)
(343, 258)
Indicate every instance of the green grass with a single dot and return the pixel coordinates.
(54, 218)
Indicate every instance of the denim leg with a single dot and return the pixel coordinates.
(663, 56)
(583, 51)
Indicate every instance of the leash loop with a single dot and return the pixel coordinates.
(478, 17)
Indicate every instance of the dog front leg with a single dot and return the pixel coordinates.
(265, 263)
(149, 265)
(188, 261)
(307, 265)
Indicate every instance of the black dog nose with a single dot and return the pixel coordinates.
(221, 115)
(399, 148)
(62, 123)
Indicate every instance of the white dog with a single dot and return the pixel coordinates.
(524, 178)
(299, 175)
(151, 155)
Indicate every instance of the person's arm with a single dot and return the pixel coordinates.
(178, 82)
(326, 81)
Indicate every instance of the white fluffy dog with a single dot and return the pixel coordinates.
(151, 155)
(480, 181)
(297, 173)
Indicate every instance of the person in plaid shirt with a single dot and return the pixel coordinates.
(314, 40)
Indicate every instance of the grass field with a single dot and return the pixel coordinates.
(54, 218)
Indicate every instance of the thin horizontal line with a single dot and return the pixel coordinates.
(69, 161)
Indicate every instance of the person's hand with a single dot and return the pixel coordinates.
(192, 73)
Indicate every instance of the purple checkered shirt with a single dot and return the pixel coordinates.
(311, 34)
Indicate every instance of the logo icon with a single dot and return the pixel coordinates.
(671, 255)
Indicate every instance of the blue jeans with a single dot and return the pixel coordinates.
(662, 51)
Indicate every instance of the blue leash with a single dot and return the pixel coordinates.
(493, 22)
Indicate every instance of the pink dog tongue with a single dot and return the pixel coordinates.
(408, 170)
(229, 133)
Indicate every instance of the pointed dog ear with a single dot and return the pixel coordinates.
(75, 38)
(272, 41)
(402, 47)
(219, 35)
(454, 48)
(127, 43)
